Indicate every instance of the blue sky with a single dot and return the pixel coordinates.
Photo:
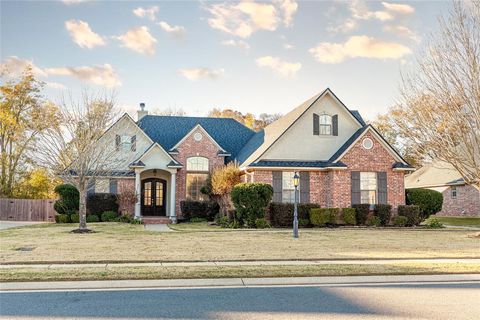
(251, 56)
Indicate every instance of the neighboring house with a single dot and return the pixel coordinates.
(459, 199)
(341, 160)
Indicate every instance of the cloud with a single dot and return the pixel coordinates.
(236, 43)
(176, 31)
(358, 47)
(139, 39)
(402, 31)
(281, 67)
(360, 10)
(346, 26)
(398, 8)
(244, 18)
(82, 34)
(13, 66)
(55, 85)
(71, 2)
(194, 74)
(102, 75)
(148, 13)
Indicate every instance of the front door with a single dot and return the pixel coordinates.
(154, 192)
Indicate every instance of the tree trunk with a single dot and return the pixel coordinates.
(82, 210)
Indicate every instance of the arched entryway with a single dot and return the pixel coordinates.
(154, 197)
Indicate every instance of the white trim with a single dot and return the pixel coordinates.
(291, 168)
(198, 126)
(403, 169)
(150, 150)
(126, 115)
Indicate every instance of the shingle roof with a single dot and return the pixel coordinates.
(357, 116)
(169, 130)
(298, 164)
(401, 165)
(348, 143)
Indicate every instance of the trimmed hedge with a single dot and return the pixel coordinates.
(348, 216)
(62, 218)
(412, 213)
(109, 216)
(93, 218)
(373, 221)
(429, 201)
(323, 216)
(75, 218)
(261, 223)
(281, 214)
(199, 209)
(383, 212)
(69, 198)
(250, 201)
(98, 203)
(400, 221)
(361, 212)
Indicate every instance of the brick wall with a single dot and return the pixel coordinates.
(192, 148)
(467, 202)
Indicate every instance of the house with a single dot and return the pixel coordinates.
(341, 160)
(459, 199)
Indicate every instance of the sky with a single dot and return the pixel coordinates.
(197, 55)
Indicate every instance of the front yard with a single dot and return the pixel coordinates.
(118, 242)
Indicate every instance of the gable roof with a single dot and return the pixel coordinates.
(167, 131)
(199, 127)
(434, 174)
(138, 162)
(264, 139)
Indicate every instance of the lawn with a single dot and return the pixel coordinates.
(458, 221)
(117, 242)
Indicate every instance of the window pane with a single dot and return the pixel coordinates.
(147, 200)
(325, 129)
(126, 142)
(159, 194)
(325, 119)
(195, 182)
(197, 164)
(288, 196)
(287, 180)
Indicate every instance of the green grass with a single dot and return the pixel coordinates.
(457, 221)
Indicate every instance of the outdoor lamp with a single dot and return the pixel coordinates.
(296, 180)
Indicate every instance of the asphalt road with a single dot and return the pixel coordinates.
(380, 301)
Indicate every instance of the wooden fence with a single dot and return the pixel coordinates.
(27, 209)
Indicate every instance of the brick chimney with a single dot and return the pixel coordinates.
(142, 112)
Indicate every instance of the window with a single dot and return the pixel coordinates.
(102, 185)
(125, 143)
(453, 192)
(368, 187)
(325, 124)
(288, 188)
(147, 195)
(197, 174)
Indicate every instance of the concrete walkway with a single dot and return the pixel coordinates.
(232, 282)
(237, 263)
(158, 228)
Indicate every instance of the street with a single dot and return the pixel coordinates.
(448, 300)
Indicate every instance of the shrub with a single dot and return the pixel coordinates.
(323, 216)
(199, 209)
(434, 224)
(109, 216)
(222, 221)
(69, 198)
(98, 203)
(93, 218)
(361, 212)
(251, 200)
(373, 221)
(62, 218)
(136, 221)
(429, 201)
(281, 214)
(124, 218)
(220, 184)
(75, 218)
(126, 200)
(383, 212)
(197, 219)
(303, 222)
(412, 213)
(400, 221)
(261, 223)
(348, 216)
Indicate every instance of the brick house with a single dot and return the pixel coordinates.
(340, 159)
(459, 199)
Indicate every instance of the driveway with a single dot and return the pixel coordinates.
(13, 224)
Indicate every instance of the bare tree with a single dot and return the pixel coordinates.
(440, 106)
(170, 111)
(78, 148)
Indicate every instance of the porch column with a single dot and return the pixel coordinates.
(173, 191)
(137, 193)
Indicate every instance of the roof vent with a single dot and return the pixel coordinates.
(142, 112)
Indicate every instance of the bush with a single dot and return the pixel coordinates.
(412, 213)
(361, 213)
(323, 216)
(348, 216)
(222, 221)
(251, 200)
(373, 221)
(98, 203)
(62, 218)
(281, 214)
(109, 216)
(400, 221)
(303, 222)
(75, 218)
(93, 218)
(197, 219)
(136, 221)
(261, 223)
(429, 201)
(126, 200)
(69, 198)
(435, 224)
(383, 212)
(124, 218)
(199, 209)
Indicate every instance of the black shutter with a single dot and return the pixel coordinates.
(90, 186)
(113, 186)
(382, 187)
(355, 180)
(277, 186)
(304, 187)
(117, 142)
(133, 145)
(335, 125)
(316, 124)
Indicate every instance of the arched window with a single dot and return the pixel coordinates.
(325, 124)
(197, 174)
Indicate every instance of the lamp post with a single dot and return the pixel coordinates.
(296, 182)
